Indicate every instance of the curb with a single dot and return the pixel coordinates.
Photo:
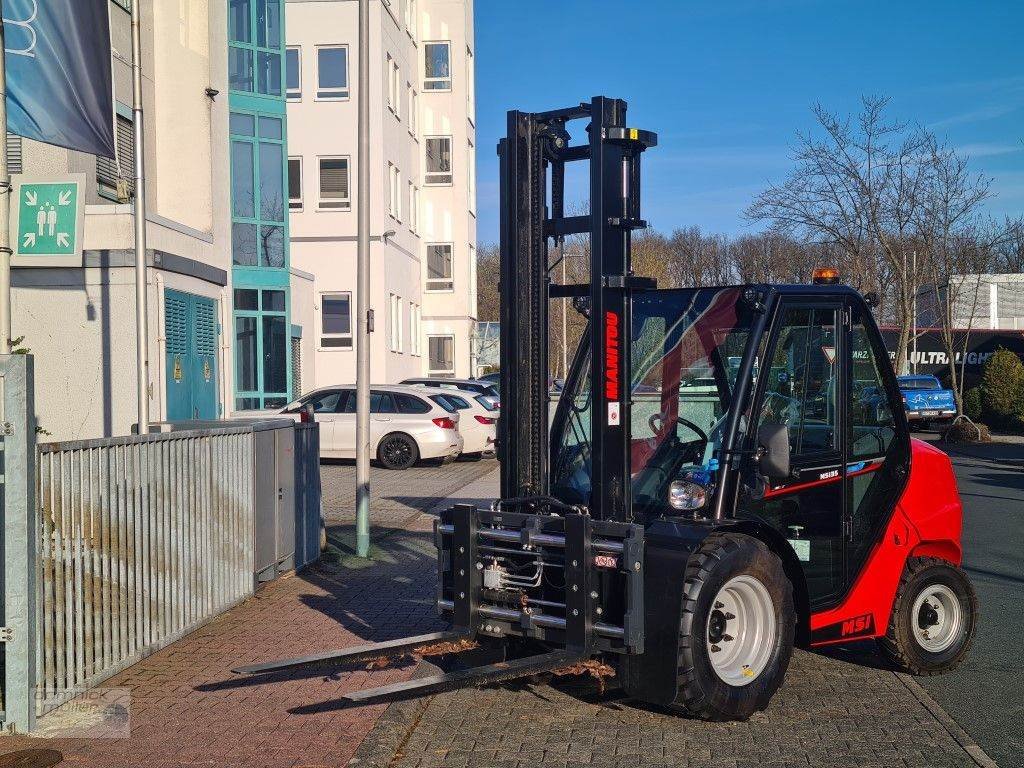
(959, 735)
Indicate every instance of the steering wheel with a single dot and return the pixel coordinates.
(656, 419)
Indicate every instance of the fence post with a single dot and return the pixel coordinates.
(20, 533)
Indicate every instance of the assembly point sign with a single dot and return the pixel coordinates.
(47, 221)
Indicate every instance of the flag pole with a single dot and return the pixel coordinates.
(141, 316)
(5, 204)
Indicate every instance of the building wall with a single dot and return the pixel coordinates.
(989, 301)
(80, 322)
(323, 240)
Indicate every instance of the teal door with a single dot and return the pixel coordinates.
(191, 331)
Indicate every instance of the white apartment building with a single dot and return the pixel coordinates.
(423, 195)
(79, 320)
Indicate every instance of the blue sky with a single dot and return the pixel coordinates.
(726, 85)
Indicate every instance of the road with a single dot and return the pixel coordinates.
(985, 694)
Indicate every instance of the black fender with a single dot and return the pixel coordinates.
(668, 544)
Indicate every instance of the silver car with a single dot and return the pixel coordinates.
(405, 426)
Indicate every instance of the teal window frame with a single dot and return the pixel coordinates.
(254, 51)
(260, 394)
(257, 220)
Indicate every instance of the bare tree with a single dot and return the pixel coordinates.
(856, 187)
(959, 249)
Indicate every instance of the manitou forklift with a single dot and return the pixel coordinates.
(729, 471)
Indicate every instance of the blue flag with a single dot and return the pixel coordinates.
(59, 87)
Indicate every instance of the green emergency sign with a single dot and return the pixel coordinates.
(48, 219)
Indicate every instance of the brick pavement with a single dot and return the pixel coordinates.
(398, 497)
(187, 709)
(834, 710)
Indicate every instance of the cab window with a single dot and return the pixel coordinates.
(872, 424)
(800, 391)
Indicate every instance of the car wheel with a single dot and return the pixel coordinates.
(397, 451)
(736, 630)
(934, 617)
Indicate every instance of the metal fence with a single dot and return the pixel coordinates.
(143, 539)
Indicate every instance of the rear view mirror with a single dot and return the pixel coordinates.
(773, 451)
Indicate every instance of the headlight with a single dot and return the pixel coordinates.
(684, 495)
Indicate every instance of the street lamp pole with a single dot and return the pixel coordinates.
(141, 311)
(363, 293)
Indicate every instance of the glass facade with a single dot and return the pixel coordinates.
(259, 204)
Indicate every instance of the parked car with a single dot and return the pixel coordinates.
(477, 424)
(494, 379)
(926, 400)
(476, 388)
(405, 425)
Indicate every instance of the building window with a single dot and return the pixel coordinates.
(334, 187)
(439, 267)
(295, 183)
(439, 160)
(414, 209)
(395, 192)
(410, 18)
(396, 323)
(394, 75)
(262, 348)
(414, 103)
(258, 188)
(332, 72)
(471, 180)
(437, 66)
(336, 320)
(470, 86)
(293, 73)
(415, 329)
(255, 56)
(115, 177)
(441, 355)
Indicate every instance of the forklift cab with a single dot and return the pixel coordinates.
(812, 463)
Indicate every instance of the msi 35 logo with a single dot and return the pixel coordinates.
(857, 625)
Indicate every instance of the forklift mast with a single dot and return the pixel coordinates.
(532, 160)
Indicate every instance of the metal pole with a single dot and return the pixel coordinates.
(363, 291)
(913, 311)
(565, 318)
(141, 316)
(5, 206)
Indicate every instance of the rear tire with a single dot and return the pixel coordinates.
(736, 630)
(397, 451)
(934, 617)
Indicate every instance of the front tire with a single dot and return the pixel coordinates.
(736, 630)
(397, 451)
(934, 617)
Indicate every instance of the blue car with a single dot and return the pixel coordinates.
(926, 400)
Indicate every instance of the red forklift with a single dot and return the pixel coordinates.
(729, 471)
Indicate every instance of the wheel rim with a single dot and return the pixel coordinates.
(396, 451)
(937, 618)
(741, 630)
